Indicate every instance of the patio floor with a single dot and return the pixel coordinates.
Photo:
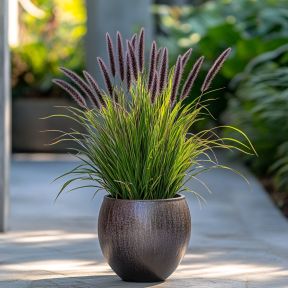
(239, 239)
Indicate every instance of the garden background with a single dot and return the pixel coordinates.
(254, 94)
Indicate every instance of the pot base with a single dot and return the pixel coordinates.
(141, 276)
(148, 280)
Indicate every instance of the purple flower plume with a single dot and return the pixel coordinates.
(214, 69)
(129, 63)
(110, 54)
(141, 46)
(105, 75)
(87, 91)
(154, 88)
(152, 67)
(133, 60)
(191, 78)
(186, 57)
(75, 94)
(176, 80)
(134, 41)
(94, 85)
(120, 55)
(128, 71)
(163, 70)
(159, 53)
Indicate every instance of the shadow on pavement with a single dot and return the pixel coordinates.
(89, 281)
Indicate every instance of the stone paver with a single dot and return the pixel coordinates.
(239, 239)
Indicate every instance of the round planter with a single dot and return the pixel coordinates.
(144, 240)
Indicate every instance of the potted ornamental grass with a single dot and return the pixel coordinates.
(138, 147)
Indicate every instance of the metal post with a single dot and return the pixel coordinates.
(4, 115)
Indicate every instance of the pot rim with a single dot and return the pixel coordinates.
(178, 197)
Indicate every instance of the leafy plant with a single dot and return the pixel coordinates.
(137, 143)
(35, 60)
(260, 107)
(280, 168)
(250, 27)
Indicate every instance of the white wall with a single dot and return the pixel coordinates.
(4, 115)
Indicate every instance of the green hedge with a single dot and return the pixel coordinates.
(250, 27)
(260, 108)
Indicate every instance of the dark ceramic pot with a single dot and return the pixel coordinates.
(144, 240)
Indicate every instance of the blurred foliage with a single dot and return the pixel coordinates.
(47, 43)
(260, 108)
(250, 27)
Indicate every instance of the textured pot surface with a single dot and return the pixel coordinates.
(144, 240)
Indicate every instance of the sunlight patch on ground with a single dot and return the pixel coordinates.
(60, 265)
(234, 271)
(46, 236)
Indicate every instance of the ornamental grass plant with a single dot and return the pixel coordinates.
(138, 143)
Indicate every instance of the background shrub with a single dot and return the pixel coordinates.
(250, 27)
(260, 107)
(45, 43)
